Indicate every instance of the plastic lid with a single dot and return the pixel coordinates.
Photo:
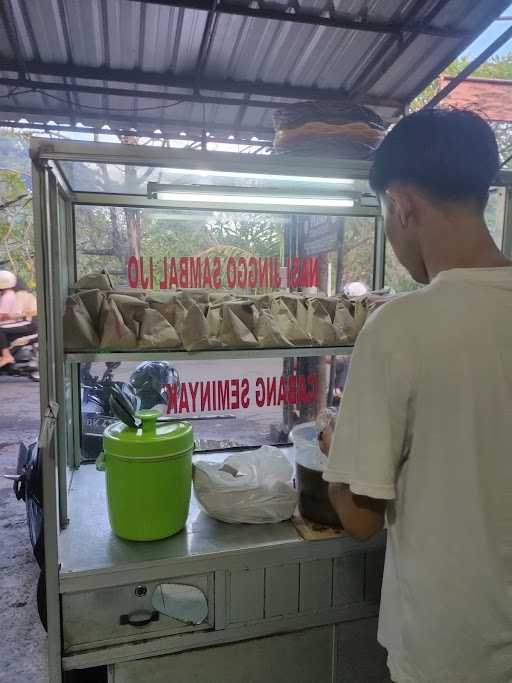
(167, 438)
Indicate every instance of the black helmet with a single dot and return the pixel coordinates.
(149, 380)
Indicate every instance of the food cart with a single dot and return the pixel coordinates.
(255, 602)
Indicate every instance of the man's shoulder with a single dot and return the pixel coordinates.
(409, 306)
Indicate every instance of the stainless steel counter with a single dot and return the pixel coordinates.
(91, 556)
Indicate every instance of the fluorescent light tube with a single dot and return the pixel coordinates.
(258, 176)
(227, 199)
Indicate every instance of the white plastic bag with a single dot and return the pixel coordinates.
(307, 451)
(253, 487)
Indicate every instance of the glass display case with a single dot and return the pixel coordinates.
(170, 219)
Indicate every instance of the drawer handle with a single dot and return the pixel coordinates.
(138, 618)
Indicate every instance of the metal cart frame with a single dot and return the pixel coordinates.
(54, 202)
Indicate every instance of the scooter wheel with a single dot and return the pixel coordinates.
(41, 600)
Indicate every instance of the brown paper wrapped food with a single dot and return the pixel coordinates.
(269, 334)
(165, 303)
(263, 302)
(200, 297)
(344, 323)
(360, 315)
(219, 296)
(193, 328)
(213, 324)
(79, 330)
(93, 301)
(115, 333)
(99, 280)
(238, 325)
(156, 332)
(320, 322)
(377, 299)
(132, 308)
(284, 310)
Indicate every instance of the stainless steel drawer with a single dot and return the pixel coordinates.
(127, 613)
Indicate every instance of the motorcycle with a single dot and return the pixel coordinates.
(147, 388)
(26, 358)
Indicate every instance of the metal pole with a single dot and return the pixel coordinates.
(47, 387)
(471, 67)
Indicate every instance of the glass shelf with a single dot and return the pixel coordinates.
(214, 354)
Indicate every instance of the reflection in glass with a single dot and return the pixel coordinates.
(183, 603)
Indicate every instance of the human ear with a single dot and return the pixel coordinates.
(401, 204)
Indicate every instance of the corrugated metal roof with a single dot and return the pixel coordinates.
(221, 66)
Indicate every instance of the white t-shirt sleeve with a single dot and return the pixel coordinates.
(371, 432)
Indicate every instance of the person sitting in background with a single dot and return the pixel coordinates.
(17, 314)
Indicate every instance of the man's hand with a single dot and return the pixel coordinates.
(324, 440)
(362, 517)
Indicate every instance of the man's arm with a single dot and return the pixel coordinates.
(373, 425)
(362, 517)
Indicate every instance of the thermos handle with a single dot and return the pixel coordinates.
(100, 462)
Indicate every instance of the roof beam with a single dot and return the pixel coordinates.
(33, 86)
(129, 122)
(207, 38)
(6, 15)
(232, 139)
(294, 13)
(391, 50)
(135, 77)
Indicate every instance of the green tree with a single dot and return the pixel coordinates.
(499, 68)
(16, 226)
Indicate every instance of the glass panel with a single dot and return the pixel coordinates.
(231, 403)
(399, 279)
(187, 604)
(396, 276)
(494, 214)
(127, 179)
(163, 249)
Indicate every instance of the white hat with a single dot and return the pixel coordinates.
(7, 279)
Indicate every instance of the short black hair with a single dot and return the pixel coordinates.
(450, 154)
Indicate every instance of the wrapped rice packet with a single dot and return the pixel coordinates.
(200, 297)
(269, 334)
(344, 323)
(93, 301)
(165, 303)
(99, 280)
(115, 333)
(320, 322)
(219, 296)
(284, 311)
(156, 332)
(213, 323)
(131, 308)
(79, 330)
(262, 301)
(238, 325)
(360, 316)
(193, 329)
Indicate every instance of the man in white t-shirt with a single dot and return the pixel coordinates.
(423, 442)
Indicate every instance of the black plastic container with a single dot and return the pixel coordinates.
(314, 503)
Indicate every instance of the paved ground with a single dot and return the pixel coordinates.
(23, 641)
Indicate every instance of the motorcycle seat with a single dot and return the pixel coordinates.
(23, 341)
